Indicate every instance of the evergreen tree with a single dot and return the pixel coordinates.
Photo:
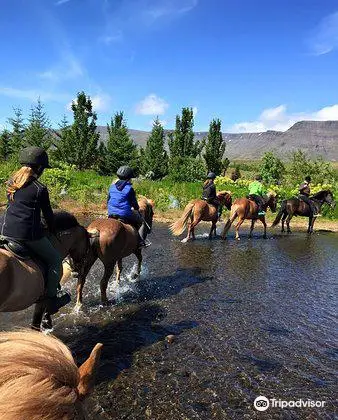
(181, 141)
(154, 157)
(78, 142)
(17, 132)
(214, 148)
(5, 145)
(38, 131)
(120, 149)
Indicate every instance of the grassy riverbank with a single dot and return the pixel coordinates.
(85, 192)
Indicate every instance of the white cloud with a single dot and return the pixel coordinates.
(280, 120)
(33, 94)
(152, 105)
(109, 39)
(100, 102)
(325, 38)
(69, 67)
(59, 2)
(164, 8)
(195, 110)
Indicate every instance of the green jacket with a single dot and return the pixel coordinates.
(256, 188)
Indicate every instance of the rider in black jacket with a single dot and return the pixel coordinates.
(209, 193)
(27, 198)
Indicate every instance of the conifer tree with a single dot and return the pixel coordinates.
(78, 142)
(214, 148)
(38, 132)
(5, 145)
(154, 157)
(120, 149)
(17, 132)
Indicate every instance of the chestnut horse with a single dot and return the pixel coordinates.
(40, 380)
(115, 241)
(22, 282)
(297, 207)
(198, 210)
(244, 208)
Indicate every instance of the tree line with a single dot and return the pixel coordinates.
(78, 143)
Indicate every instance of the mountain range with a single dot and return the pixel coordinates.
(315, 138)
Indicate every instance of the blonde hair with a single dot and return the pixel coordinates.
(38, 377)
(207, 181)
(18, 180)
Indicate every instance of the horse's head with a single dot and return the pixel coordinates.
(272, 201)
(329, 199)
(40, 379)
(225, 199)
(147, 210)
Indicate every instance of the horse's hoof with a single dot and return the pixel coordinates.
(238, 239)
(77, 307)
(185, 240)
(264, 237)
(105, 302)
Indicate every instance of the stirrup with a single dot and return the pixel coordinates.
(261, 213)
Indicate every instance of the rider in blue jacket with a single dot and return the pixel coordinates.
(122, 203)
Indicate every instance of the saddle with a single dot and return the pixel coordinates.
(22, 253)
(18, 249)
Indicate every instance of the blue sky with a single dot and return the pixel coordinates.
(256, 65)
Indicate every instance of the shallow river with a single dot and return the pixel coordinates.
(255, 317)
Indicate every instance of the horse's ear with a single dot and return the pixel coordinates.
(88, 371)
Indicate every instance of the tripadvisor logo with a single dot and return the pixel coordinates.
(262, 403)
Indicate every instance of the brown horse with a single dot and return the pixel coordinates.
(198, 210)
(22, 282)
(40, 380)
(297, 207)
(116, 240)
(243, 208)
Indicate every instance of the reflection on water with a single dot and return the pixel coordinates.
(256, 317)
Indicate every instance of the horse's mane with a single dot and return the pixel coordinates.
(38, 377)
(224, 192)
(320, 195)
(64, 220)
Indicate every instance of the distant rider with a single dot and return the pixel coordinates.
(209, 193)
(27, 198)
(256, 192)
(123, 205)
(304, 194)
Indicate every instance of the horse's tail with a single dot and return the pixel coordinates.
(228, 224)
(280, 214)
(179, 226)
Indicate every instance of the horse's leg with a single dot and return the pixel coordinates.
(118, 271)
(83, 272)
(39, 311)
(212, 230)
(252, 227)
(240, 221)
(138, 254)
(288, 219)
(283, 221)
(311, 223)
(264, 224)
(108, 271)
(215, 229)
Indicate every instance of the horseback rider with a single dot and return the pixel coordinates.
(304, 194)
(256, 192)
(27, 198)
(122, 203)
(209, 193)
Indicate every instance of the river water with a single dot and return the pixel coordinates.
(250, 318)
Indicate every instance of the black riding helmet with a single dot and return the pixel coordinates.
(308, 179)
(211, 175)
(258, 178)
(125, 172)
(34, 156)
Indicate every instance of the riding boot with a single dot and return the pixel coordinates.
(142, 234)
(54, 304)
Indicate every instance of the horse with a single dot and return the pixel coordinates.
(197, 210)
(244, 208)
(40, 380)
(115, 241)
(297, 207)
(22, 281)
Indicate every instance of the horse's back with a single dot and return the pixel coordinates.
(21, 283)
(117, 239)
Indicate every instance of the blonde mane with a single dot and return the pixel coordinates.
(38, 377)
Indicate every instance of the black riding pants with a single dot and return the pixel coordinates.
(310, 203)
(258, 200)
